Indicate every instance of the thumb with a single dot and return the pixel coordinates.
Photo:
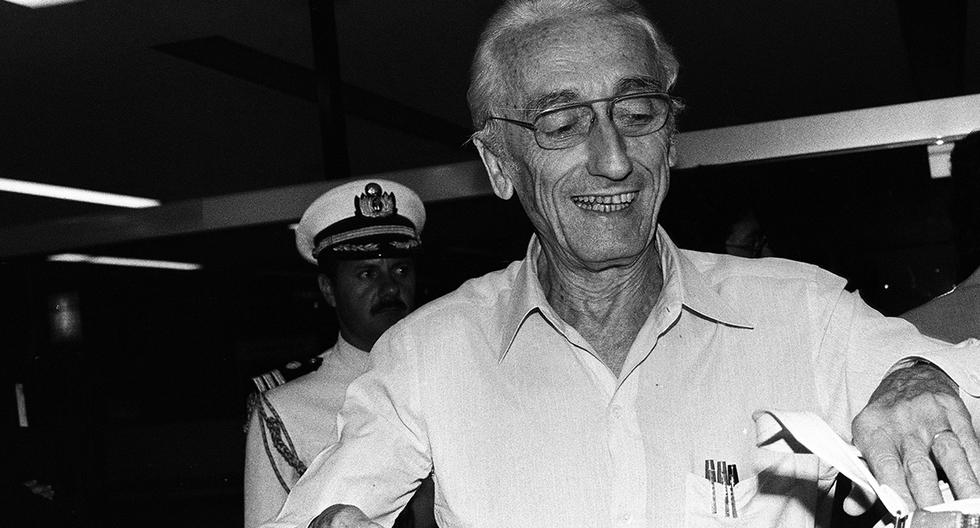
(859, 500)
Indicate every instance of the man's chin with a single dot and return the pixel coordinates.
(601, 254)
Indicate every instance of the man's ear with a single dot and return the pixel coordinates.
(326, 288)
(502, 186)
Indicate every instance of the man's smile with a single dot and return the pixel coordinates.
(605, 203)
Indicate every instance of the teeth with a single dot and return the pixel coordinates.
(605, 203)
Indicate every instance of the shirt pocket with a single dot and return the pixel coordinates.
(782, 494)
(708, 504)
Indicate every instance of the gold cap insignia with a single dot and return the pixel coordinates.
(375, 203)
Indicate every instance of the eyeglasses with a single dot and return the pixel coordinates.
(636, 114)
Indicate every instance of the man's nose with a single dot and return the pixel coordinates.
(389, 284)
(607, 151)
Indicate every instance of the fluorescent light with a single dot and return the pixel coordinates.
(119, 261)
(78, 195)
(34, 4)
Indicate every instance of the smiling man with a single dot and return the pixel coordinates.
(362, 236)
(608, 379)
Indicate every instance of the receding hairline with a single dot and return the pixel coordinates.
(518, 42)
(506, 34)
(515, 80)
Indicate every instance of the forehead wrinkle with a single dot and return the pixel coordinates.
(519, 50)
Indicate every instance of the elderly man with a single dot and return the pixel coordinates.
(362, 236)
(590, 383)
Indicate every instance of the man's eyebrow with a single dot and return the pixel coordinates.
(548, 100)
(560, 97)
(638, 84)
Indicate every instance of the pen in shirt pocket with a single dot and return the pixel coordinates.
(709, 473)
(722, 475)
(719, 472)
(732, 477)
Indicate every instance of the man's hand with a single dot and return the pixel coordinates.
(343, 516)
(916, 412)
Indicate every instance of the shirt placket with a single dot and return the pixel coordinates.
(626, 448)
(628, 458)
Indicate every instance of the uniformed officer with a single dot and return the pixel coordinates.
(362, 236)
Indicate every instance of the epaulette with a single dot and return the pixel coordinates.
(287, 372)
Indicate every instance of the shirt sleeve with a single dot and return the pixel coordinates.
(264, 494)
(960, 362)
(864, 346)
(383, 452)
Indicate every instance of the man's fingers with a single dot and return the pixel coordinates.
(920, 473)
(951, 455)
(885, 462)
(971, 445)
(962, 425)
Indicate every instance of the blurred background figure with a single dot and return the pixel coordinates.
(363, 238)
(747, 237)
(955, 315)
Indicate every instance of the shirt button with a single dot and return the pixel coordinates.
(617, 412)
(627, 517)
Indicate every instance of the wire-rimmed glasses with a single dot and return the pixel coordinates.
(635, 114)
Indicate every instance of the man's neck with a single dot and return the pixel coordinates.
(356, 341)
(606, 307)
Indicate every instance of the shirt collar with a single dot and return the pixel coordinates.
(350, 353)
(527, 297)
(685, 285)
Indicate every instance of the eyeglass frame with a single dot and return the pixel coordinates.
(673, 103)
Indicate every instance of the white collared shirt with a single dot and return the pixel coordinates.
(524, 426)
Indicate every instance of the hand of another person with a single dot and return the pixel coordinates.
(343, 516)
(914, 422)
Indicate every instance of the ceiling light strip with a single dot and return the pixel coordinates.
(35, 4)
(77, 195)
(120, 261)
(919, 123)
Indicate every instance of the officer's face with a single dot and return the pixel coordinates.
(370, 296)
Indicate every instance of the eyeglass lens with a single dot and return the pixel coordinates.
(632, 116)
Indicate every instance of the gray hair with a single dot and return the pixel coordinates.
(487, 82)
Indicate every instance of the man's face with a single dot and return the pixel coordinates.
(370, 296)
(595, 204)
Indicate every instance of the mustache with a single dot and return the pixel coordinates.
(388, 304)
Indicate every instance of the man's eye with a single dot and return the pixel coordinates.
(563, 123)
(633, 119)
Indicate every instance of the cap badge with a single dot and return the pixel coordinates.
(375, 203)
